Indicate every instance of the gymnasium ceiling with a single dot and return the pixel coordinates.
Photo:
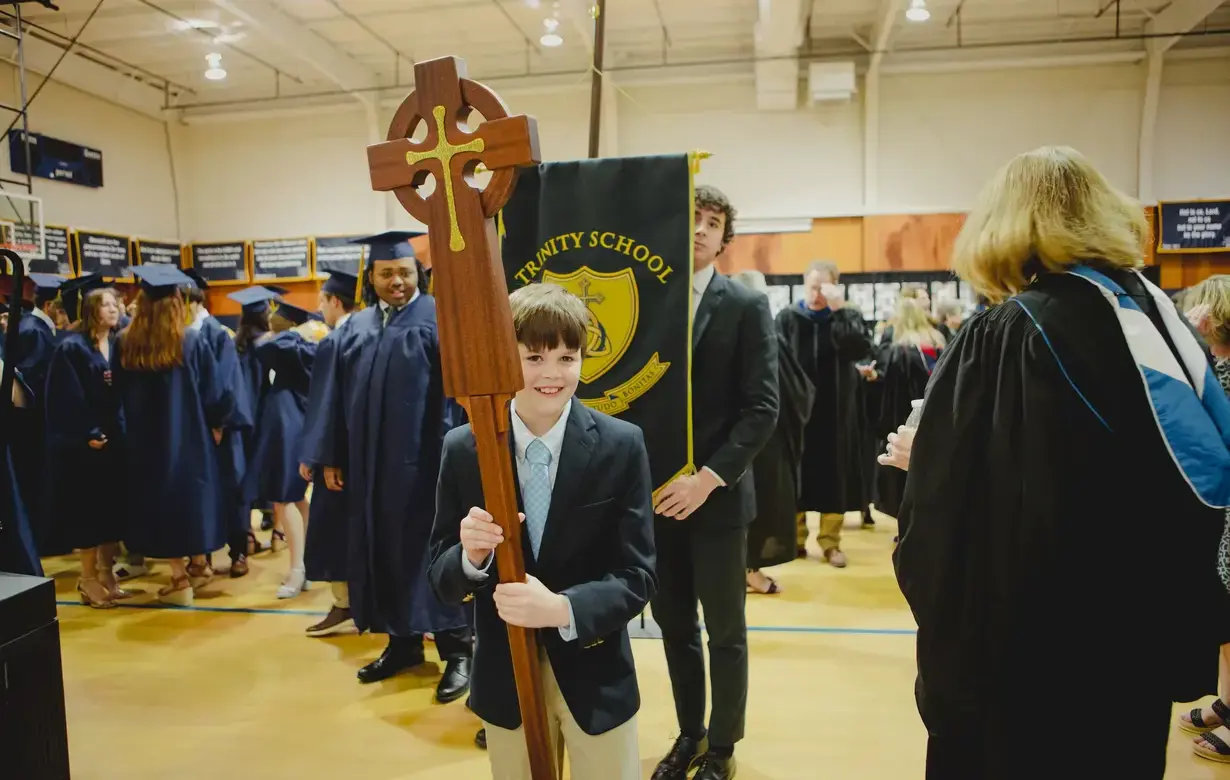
(152, 53)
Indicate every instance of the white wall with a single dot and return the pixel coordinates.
(941, 136)
(137, 197)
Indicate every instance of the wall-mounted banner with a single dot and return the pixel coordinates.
(159, 252)
(221, 263)
(630, 260)
(57, 258)
(1194, 226)
(337, 253)
(104, 253)
(282, 258)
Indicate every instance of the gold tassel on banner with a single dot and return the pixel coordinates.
(694, 158)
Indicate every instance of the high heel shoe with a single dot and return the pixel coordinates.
(107, 577)
(178, 593)
(296, 583)
(89, 599)
(277, 541)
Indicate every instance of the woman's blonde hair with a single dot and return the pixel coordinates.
(91, 311)
(1213, 292)
(911, 325)
(154, 340)
(1051, 208)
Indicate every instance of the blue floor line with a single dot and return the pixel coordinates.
(315, 613)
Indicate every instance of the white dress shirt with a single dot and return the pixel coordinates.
(700, 282)
(554, 439)
(342, 320)
(385, 306)
(201, 316)
(39, 314)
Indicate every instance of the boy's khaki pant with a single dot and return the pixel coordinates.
(829, 537)
(610, 756)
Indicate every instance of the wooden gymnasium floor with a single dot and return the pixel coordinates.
(232, 688)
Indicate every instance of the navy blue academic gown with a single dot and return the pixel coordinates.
(274, 469)
(18, 553)
(256, 383)
(36, 343)
(390, 395)
(327, 535)
(86, 485)
(172, 460)
(236, 513)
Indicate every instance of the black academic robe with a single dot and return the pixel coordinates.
(18, 551)
(86, 499)
(771, 537)
(390, 394)
(903, 378)
(235, 509)
(827, 345)
(36, 343)
(274, 469)
(173, 467)
(328, 533)
(1050, 558)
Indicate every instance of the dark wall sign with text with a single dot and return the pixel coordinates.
(159, 252)
(337, 253)
(1194, 226)
(285, 258)
(57, 258)
(223, 263)
(103, 253)
(51, 158)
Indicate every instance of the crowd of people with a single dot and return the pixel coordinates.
(1080, 407)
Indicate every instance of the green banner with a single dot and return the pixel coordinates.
(618, 234)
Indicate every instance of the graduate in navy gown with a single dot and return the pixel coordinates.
(254, 323)
(85, 442)
(37, 335)
(327, 536)
(287, 352)
(390, 396)
(18, 553)
(236, 511)
(175, 404)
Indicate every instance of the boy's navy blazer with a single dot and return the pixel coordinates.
(597, 548)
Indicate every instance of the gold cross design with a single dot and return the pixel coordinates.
(586, 298)
(444, 152)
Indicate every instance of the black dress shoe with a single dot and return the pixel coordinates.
(677, 762)
(711, 767)
(392, 661)
(455, 682)
(480, 739)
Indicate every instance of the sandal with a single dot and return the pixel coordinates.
(254, 544)
(200, 575)
(771, 590)
(178, 593)
(1212, 747)
(97, 602)
(1194, 722)
(277, 541)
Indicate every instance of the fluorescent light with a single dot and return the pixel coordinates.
(533, 3)
(551, 39)
(215, 72)
(918, 11)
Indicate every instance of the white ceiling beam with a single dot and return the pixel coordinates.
(103, 82)
(1178, 18)
(780, 29)
(882, 32)
(298, 40)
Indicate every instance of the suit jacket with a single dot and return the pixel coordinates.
(597, 549)
(734, 395)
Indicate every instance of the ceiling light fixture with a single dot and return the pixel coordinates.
(533, 3)
(917, 11)
(551, 37)
(193, 24)
(214, 72)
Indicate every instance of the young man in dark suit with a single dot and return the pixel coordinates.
(702, 519)
(584, 488)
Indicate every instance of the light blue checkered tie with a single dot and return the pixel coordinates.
(537, 493)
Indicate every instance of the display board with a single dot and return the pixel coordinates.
(337, 252)
(104, 253)
(222, 262)
(286, 259)
(59, 257)
(1194, 226)
(158, 252)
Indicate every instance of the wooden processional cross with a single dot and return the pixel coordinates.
(478, 348)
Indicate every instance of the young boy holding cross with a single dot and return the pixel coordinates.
(587, 512)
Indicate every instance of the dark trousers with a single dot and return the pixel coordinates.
(239, 525)
(708, 566)
(454, 643)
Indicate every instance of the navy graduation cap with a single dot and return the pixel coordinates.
(253, 299)
(389, 245)
(342, 284)
(292, 313)
(73, 292)
(159, 281)
(46, 287)
(200, 281)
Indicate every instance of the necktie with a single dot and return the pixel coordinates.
(537, 494)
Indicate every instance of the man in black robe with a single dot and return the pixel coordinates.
(1036, 468)
(829, 340)
(388, 423)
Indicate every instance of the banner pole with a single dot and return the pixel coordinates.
(595, 92)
